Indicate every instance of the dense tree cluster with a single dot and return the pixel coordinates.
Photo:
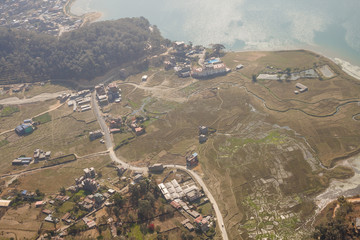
(81, 54)
(338, 228)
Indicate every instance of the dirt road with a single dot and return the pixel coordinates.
(39, 98)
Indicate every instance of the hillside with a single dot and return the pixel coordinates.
(81, 54)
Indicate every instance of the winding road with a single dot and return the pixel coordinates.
(110, 147)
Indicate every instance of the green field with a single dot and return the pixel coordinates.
(44, 118)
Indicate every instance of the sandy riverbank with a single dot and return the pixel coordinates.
(347, 67)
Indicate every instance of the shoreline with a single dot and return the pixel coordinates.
(88, 17)
(350, 69)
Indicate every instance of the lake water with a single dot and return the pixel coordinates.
(330, 27)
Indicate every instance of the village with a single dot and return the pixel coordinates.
(93, 204)
(40, 16)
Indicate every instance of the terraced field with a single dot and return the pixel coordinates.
(270, 154)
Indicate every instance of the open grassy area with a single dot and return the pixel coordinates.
(51, 180)
(8, 110)
(44, 118)
(62, 135)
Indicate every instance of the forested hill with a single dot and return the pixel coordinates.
(81, 54)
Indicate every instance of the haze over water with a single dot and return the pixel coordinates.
(330, 27)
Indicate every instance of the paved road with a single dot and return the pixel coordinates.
(219, 217)
(107, 137)
(110, 145)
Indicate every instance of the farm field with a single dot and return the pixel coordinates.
(268, 154)
(61, 131)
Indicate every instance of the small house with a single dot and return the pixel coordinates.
(302, 87)
(46, 211)
(139, 131)
(189, 226)
(202, 138)
(138, 177)
(192, 160)
(144, 78)
(23, 129)
(95, 135)
(4, 203)
(28, 121)
(240, 66)
(39, 204)
(203, 130)
(357, 223)
(48, 154)
(50, 219)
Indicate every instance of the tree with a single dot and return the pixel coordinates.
(288, 71)
(288, 74)
(217, 48)
(84, 53)
(254, 78)
(150, 197)
(117, 199)
(38, 193)
(62, 191)
(145, 209)
(134, 194)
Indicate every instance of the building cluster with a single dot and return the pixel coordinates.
(212, 67)
(40, 155)
(91, 202)
(302, 88)
(135, 125)
(203, 133)
(38, 15)
(25, 128)
(111, 93)
(19, 87)
(115, 124)
(86, 182)
(182, 56)
(28, 195)
(181, 198)
(22, 161)
(172, 190)
(80, 101)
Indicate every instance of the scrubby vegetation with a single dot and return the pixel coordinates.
(82, 54)
(338, 227)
